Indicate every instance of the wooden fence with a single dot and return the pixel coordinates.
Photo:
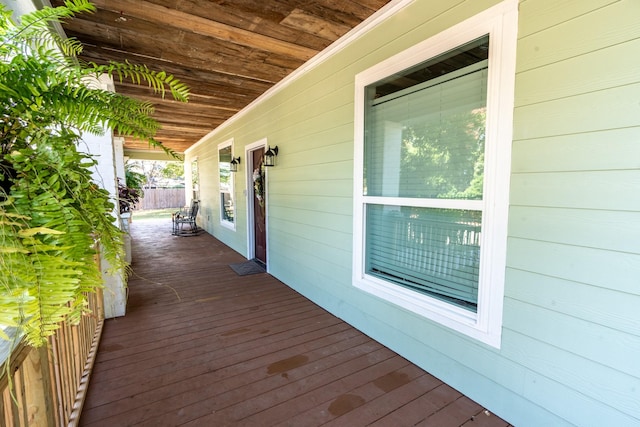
(161, 198)
(48, 384)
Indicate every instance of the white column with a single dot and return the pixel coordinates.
(108, 152)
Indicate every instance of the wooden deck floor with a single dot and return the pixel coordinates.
(202, 346)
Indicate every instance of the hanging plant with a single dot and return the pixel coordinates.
(52, 215)
(128, 197)
(258, 184)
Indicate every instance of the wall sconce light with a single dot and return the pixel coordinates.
(270, 156)
(233, 166)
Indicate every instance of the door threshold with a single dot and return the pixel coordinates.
(260, 263)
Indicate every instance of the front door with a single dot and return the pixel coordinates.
(259, 205)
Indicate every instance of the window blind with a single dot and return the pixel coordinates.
(426, 141)
(433, 251)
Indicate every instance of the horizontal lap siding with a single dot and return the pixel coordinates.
(209, 217)
(570, 325)
(572, 291)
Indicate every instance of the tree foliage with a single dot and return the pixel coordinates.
(173, 170)
(445, 159)
(154, 172)
(52, 216)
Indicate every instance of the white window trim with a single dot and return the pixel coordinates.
(195, 187)
(227, 224)
(501, 23)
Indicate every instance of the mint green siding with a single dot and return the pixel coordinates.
(573, 277)
(571, 330)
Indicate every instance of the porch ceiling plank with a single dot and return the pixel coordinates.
(228, 53)
(202, 346)
(200, 53)
(196, 112)
(304, 21)
(358, 9)
(218, 99)
(194, 106)
(194, 118)
(178, 145)
(165, 16)
(188, 120)
(255, 20)
(176, 128)
(165, 135)
(230, 101)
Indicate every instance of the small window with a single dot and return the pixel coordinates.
(431, 192)
(226, 181)
(195, 180)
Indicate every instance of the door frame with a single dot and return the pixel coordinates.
(250, 193)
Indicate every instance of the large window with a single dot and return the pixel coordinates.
(432, 169)
(424, 139)
(226, 184)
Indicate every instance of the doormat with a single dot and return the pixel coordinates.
(246, 268)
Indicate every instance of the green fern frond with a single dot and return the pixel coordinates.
(34, 28)
(157, 80)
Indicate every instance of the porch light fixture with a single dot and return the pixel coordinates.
(233, 166)
(270, 156)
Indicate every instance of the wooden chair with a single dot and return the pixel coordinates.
(186, 217)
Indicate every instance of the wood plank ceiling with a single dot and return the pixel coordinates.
(228, 52)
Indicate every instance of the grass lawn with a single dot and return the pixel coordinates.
(154, 214)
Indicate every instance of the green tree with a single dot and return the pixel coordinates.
(52, 216)
(173, 170)
(445, 159)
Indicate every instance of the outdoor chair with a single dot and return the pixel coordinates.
(184, 220)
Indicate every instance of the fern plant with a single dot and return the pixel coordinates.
(52, 216)
(133, 178)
